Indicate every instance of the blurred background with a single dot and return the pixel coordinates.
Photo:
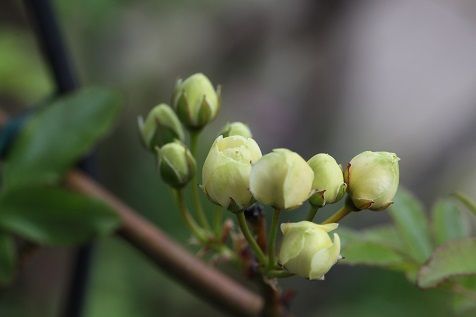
(311, 75)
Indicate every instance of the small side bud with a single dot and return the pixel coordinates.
(176, 164)
(328, 180)
(196, 101)
(160, 127)
(372, 179)
(236, 128)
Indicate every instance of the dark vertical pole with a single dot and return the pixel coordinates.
(48, 33)
(50, 40)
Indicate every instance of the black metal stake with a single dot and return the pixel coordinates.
(49, 37)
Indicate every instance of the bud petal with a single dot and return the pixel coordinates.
(372, 179)
(328, 180)
(226, 171)
(323, 260)
(281, 179)
(196, 101)
(176, 164)
(307, 249)
(160, 127)
(236, 128)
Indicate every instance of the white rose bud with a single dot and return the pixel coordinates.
(226, 171)
(196, 101)
(328, 180)
(372, 179)
(307, 250)
(281, 179)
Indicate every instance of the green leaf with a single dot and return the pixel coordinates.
(412, 225)
(468, 202)
(376, 246)
(385, 235)
(8, 258)
(464, 303)
(54, 216)
(464, 288)
(57, 136)
(448, 222)
(452, 259)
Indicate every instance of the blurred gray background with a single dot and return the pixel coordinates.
(311, 75)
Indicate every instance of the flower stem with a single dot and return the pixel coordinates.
(279, 273)
(311, 214)
(218, 221)
(338, 215)
(189, 221)
(196, 196)
(272, 239)
(249, 237)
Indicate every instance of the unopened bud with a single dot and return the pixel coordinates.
(176, 164)
(372, 179)
(236, 128)
(161, 126)
(307, 250)
(328, 180)
(226, 171)
(281, 179)
(196, 101)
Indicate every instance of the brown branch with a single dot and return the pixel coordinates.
(3, 118)
(202, 279)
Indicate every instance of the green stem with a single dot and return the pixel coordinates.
(196, 196)
(249, 237)
(218, 221)
(470, 204)
(189, 221)
(341, 213)
(279, 273)
(272, 239)
(311, 214)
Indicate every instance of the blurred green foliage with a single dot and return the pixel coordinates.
(123, 282)
(23, 75)
(32, 206)
(443, 257)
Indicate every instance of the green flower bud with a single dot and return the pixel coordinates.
(281, 179)
(372, 179)
(236, 128)
(160, 127)
(176, 164)
(196, 101)
(328, 180)
(307, 250)
(226, 171)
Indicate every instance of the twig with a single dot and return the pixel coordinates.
(205, 281)
(3, 118)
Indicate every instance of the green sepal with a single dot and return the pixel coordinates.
(8, 258)
(218, 91)
(342, 191)
(317, 200)
(205, 114)
(176, 91)
(183, 111)
(169, 172)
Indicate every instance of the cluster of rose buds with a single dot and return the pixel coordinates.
(236, 175)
